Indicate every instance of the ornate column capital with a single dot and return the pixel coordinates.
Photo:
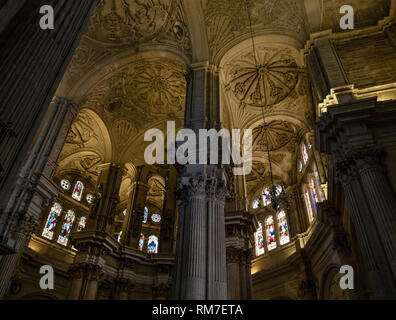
(191, 186)
(234, 255)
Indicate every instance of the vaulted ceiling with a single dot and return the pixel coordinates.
(128, 73)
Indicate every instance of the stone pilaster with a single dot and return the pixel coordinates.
(34, 189)
(168, 216)
(233, 275)
(85, 281)
(132, 226)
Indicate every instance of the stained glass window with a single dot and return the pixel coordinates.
(259, 241)
(283, 228)
(124, 212)
(119, 236)
(89, 198)
(321, 196)
(156, 218)
(309, 206)
(141, 242)
(304, 153)
(313, 193)
(81, 224)
(266, 197)
(52, 220)
(270, 232)
(65, 184)
(78, 190)
(66, 228)
(152, 245)
(256, 204)
(145, 215)
(300, 166)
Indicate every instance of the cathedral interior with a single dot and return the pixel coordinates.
(77, 194)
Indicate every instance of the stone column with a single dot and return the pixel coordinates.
(106, 198)
(371, 247)
(168, 216)
(191, 265)
(233, 275)
(33, 62)
(344, 133)
(35, 190)
(380, 198)
(242, 274)
(216, 277)
(249, 283)
(200, 271)
(132, 226)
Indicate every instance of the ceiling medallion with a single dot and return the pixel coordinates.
(269, 82)
(126, 21)
(276, 133)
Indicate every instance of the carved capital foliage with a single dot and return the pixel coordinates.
(350, 163)
(90, 271)
(234, 255)
(192, 186)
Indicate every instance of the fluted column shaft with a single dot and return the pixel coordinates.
(377, 266)
(217, 278)
(194, 247)
(381, 200)
(33, 62)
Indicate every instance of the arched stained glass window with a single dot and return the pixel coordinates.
(283, 228)
(119, 236)
(270, 233)
(141, 242)
(152, 245)
(266, 197)
(52, 220)
(81, 224)
(321, 196)
(307, 199)
(314, 194)
(145, 216)
(78, 191)
(300, 166)
(259, 240)
(66, 228)
(124, 212)
(304, 153)
(256, 204)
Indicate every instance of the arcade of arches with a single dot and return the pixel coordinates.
(77, 194)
